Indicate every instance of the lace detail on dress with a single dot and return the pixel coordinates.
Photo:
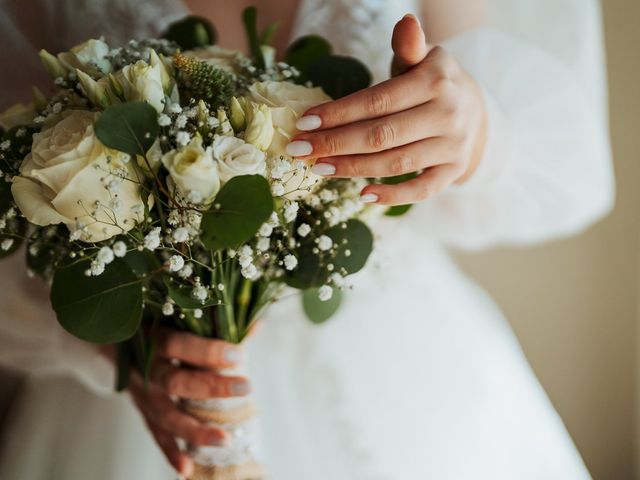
(360, 28)
(117, 20)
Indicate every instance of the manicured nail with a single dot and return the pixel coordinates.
(412, 16)
(233, 355)
(323, 169)
(299, 148)
(369, 198)
(308, 122)
(239, 388)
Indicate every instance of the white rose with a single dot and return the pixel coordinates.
(287, 102)
(194, 171)
(70, 177)
(17, 115)
(142, 82)
(236, 157)
(90, 57)
(218, 57)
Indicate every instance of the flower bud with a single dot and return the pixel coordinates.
(52, 65)
(238, 118)
(95, 91)
(259, 130)
(39, 100)
(224, 126)
(165, 75)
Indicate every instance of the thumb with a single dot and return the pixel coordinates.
(409, 44)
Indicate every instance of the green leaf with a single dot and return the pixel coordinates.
(191, 32)
(355, 243)
(141, 263)
(240, 208)
(267, 35)
(338, 76)
(181, 295)
(102, 309)
(250, 19)
(305, 50)
(397, 210)
(128, 127)
(123, 366)
(318, 311)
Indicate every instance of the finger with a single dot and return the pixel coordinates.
(409, 44)
(196, 384)
(199, 351)
(429, 183)
(389, 163)
(178, 460)
(162, 413)
(424, 121)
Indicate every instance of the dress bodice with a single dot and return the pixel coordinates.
(361, 28)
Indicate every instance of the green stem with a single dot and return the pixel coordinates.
(244, 297)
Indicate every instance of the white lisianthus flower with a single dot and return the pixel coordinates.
(194, 169)
(65, 178)
(236, 157)
(89, 57)
(17, 115)
(142, 82)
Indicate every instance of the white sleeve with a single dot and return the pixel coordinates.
(32, 341)
(546, 170)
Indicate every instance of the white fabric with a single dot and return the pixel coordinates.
(419, 375)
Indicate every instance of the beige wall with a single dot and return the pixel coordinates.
(574, 303)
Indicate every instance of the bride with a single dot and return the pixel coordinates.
(419, 375)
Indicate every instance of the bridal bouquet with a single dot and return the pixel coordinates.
(151, 188)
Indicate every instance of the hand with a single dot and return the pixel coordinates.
(429, 118)
(161, 414)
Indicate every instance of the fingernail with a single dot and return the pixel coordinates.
(308, 122)
(233, 355)
(323, 169)
(239, 388)
(299, 148)
(369, 198)
(412, 16)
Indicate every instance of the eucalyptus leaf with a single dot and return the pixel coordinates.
(319, 311)
(141, 263)
(241, 207)
(397, 210)
(267, 35)
(302, 52)
(354, 243)
(128, 127)
(338, 76)
(102, 309)
(191, 32)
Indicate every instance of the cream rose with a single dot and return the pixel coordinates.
(236, 157)
(89, 57)
(142, 82)
(17, 115)
(70, 177)
(287, 102)
(193, 171)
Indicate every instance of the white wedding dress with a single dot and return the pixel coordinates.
(419, 375)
